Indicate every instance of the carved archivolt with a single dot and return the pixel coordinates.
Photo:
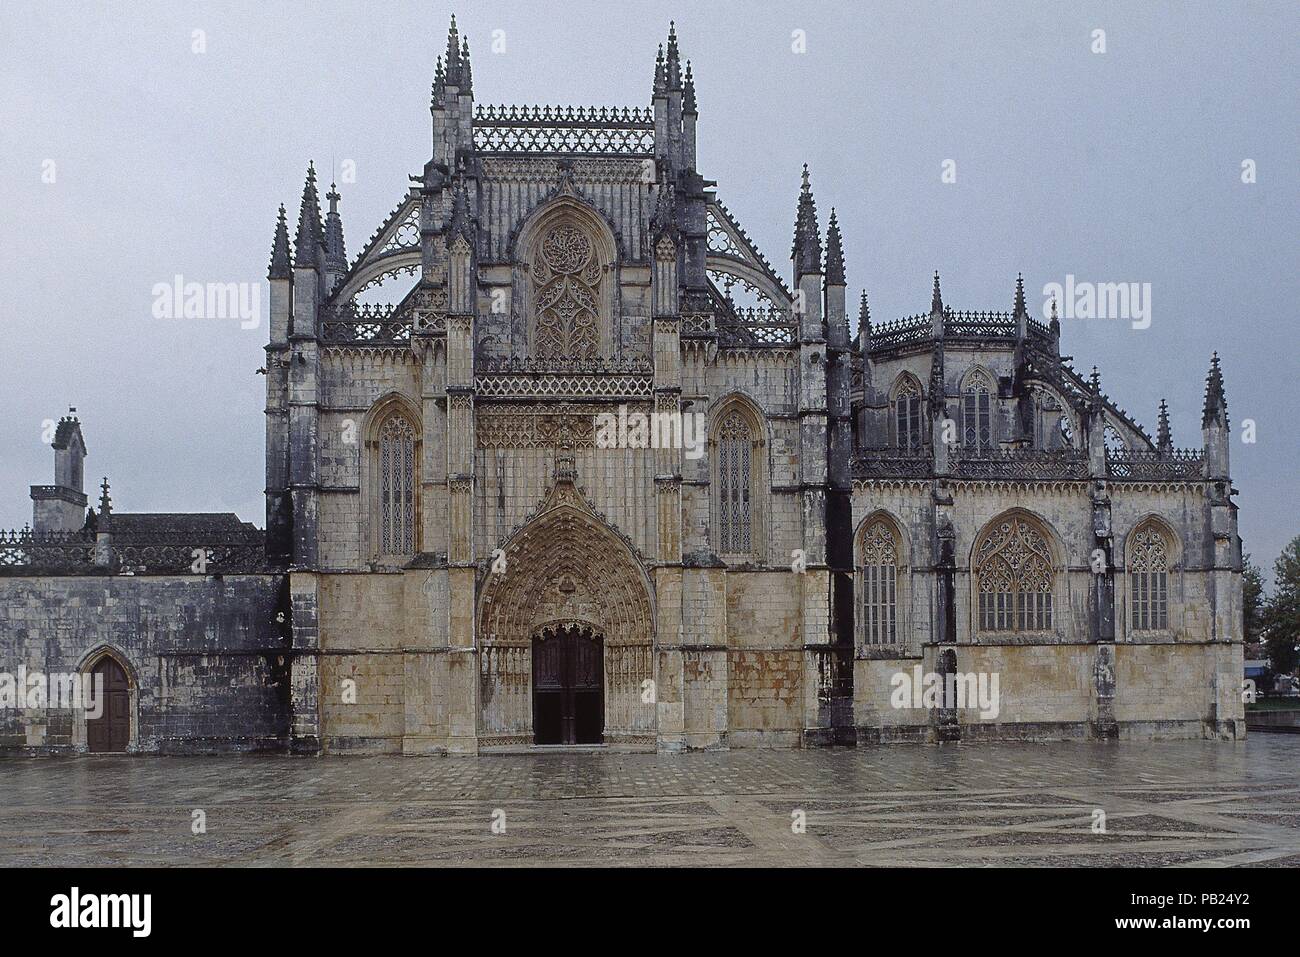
(566, 565)
(565, 568)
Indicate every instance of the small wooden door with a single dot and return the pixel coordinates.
(568, 688)
(111, 731)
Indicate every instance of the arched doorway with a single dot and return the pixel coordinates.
(568, 686)
(111, 731)
(565, 631)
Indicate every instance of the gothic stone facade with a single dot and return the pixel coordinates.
(455, 562)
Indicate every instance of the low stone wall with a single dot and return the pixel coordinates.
(200, 652)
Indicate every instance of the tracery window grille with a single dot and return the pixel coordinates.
(567, 272)
(1066, 431)
(907, 416)
(1013, 570)
(879, 585)
(735, 475)
(977, 430)
(1149, 579)
(397, 487)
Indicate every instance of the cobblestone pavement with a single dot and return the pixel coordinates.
(1188, 803)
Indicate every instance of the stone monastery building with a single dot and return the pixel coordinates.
(454, 561)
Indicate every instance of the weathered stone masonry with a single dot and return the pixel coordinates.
(455, 560)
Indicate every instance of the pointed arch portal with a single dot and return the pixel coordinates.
(566, 626)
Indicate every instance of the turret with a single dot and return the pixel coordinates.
(279, 506)
(61, 507)
(815, 425)
(839, 360)
(690, 116)
(452, 104)
(302, 379)
(280, 276)
(659, 102)
(1214, 424)
(308, 256)
(673, 75)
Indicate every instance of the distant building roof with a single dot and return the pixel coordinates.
(181, 526)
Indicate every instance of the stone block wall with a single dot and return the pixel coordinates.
(204, 655)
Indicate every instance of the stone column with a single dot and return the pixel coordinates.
(462, 657)
(306, 733)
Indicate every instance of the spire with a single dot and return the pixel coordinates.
(688, 94)
(674, 64)
(834, 253)
(280, 265)
(661, 77)
(105, 507)
(864, 315)
(1216, 402)
(439, 85)
(336, 258)
(1164, 438)
(1094, 381)
(936, 299)
(309, 238)
(467, 77)
(453, 50)
(1020, 309)
(1055, 324)
(807, 249)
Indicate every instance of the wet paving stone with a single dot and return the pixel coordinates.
(1183, 803)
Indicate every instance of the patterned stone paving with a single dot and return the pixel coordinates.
(1187, 803)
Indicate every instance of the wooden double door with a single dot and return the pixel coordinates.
(568, 688)
(111, 731)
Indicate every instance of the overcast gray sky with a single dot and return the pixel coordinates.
(1122, 166)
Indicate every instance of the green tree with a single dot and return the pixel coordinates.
(1282, 614)
(1253, 602)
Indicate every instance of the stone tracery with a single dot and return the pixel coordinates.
(1013, 568)
(566, 271)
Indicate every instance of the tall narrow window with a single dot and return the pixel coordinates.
(1148, 564)
(976, 403)
(907, 415)
(1014, 578)
(735, 476)
(397, 486)
(879, 585)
